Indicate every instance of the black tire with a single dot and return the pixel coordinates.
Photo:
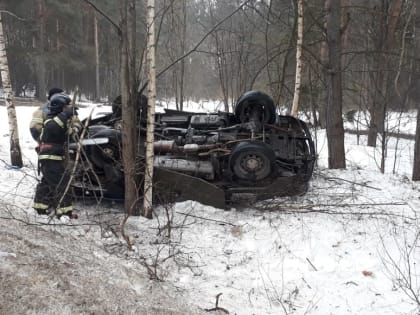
(255, 100)
(108, 153)
(252, 162)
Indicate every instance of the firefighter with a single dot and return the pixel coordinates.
(51, 196)
(39, 116)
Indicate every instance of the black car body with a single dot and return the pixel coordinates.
(210, 158)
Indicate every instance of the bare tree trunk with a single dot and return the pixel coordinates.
(298, 58)
(40, 47)
(378, 97)
(57, 32)
(132, 51)
(183, 44)
(128, 117)
(335, 130)
(176, 48)
(324, 60)
(15, 152)
(221, 69)
(151, 97)
(380, 79)
(416, 163)
(414, 94)
(95, 28)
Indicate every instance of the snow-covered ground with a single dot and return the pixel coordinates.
(348, 246)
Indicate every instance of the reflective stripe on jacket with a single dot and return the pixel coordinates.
(40, 206)
(51, 157)
(63, 210)
(53, 137)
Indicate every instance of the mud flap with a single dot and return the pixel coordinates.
(170, 186)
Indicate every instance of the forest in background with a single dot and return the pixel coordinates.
(355, 55)
(68, 43)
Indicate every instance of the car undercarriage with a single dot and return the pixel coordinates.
(207, 157)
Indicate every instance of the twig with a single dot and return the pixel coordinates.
(341, 205)
(196, 45)
(105, 16)
(12, 14)
(203, 218)
(348, 181)
(351, 282)
(376, 213)
(317, 208)
(76, 160)
(124, 235)
(312, 265)
(217, 308)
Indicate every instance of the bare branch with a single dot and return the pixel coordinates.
(312, 265)
(194, 49)
(217, 307)
(12, 14)
(104, 15)
(207, 219)
(348, 181)
(79, 148)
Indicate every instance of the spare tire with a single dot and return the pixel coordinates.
(252, 162)
(255, 100)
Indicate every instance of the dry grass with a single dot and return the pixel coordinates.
(60, 272)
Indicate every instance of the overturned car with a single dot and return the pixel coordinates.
(211, 158)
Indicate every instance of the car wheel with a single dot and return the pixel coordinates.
(251, 162)
(254, 103)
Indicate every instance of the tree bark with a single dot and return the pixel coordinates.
(183, 47)
(96, 37)
(15, 152)
(335, 130)
(298, 58)
(151, 97)
(128, 118)
(40, 48)
(132, 51)
(416, 163)
(322, 97)
(380, 78)
(414, 94)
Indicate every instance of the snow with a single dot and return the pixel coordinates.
(348, 246)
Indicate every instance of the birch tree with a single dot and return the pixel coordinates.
(15, 152)
(151, 97)
(298, 77)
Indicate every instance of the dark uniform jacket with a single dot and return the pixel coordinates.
(53, 136)
(40, 116)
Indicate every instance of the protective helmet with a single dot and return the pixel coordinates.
(53, 91)
(57, 102)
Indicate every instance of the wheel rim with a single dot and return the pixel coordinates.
(252, 166)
